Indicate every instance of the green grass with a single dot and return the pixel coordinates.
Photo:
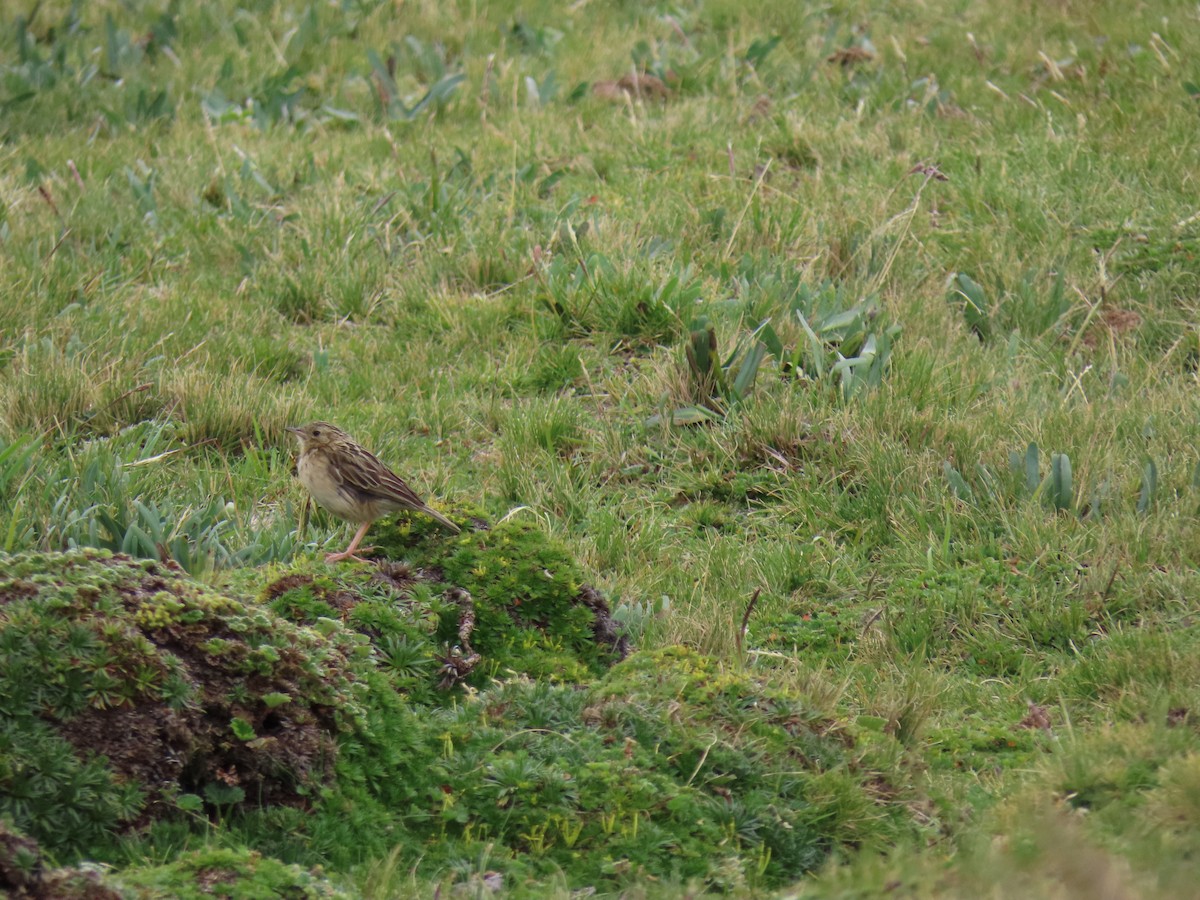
(221, 219)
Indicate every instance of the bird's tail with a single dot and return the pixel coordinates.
(433, 513)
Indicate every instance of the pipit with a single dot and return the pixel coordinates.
(351, 482)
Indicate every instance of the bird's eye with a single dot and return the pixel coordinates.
(316, 433)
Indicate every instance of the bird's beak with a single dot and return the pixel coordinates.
(294, 430)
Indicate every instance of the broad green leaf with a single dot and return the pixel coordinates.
(1149, 487)
(691, 415)
(774, 345)
(1032, 467)
(817, 354)
(684, 415)
(966, 290)
(743, 382)
(702, 348)
(958, 485)
(843, 320)
(1060, 488)
(242, 729)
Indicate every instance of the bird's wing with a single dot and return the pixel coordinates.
(372, 480)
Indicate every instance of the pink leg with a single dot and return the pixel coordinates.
(348, 553)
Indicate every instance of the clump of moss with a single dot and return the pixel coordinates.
(240, 873)
(827, 630)
(532, 612)
(393, 606)
(131, 690)
(668, 767)
(971, 744)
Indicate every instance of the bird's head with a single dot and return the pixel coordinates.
(318, 434)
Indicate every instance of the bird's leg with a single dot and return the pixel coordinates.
(348, 553)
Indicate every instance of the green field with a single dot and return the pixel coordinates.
(942, 468)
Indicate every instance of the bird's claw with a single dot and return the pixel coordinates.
(347, 554)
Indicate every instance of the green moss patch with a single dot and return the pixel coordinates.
(130, 689)
(230, 874)
(669, 767)
(532, 611)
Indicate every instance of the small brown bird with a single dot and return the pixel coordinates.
(351, 482)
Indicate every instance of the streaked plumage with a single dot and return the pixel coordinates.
(350, 481)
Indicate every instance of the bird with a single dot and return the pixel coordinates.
(349, 481)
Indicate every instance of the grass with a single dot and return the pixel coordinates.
(220, 219)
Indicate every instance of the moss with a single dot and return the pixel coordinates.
(976, 745)
(669, 767)
(234, 874)
(122, 683)
(525, 610)
(528, 597)
(392, 606)
(827, 630)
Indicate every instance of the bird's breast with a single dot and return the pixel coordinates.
(315, 473)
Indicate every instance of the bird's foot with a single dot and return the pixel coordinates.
(348, 554)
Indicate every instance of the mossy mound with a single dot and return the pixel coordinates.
(131, 691)
(200, 875)
(668, 767)
(469, 608)
(229, 874)
(393, 606)
(134, 694)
